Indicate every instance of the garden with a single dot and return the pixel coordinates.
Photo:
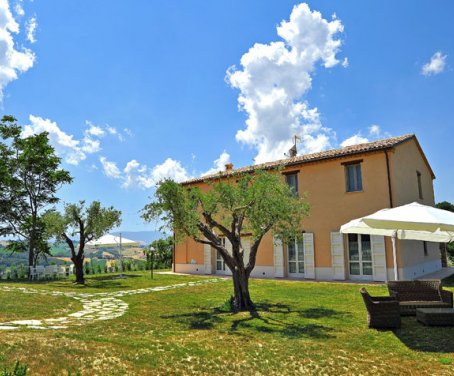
(177, 324)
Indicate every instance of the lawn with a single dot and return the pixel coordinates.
(299, 328)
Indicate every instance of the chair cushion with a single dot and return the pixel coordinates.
(423, 304)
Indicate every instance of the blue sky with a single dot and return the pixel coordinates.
(135, 91)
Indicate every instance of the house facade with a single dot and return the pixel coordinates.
(341, 185)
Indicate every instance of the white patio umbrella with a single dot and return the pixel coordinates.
(408, 222)
(111, 241)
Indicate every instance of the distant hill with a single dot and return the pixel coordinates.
(141, 236)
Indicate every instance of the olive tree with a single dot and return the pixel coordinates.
(253, 204)
(87, 223)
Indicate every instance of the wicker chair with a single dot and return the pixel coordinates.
(382, 311)
(419, 294)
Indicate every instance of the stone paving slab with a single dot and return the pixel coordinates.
(96, 306)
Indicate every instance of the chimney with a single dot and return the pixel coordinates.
(229, 166)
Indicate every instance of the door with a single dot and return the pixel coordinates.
(360, 257)
(221, 267)
(295, 258)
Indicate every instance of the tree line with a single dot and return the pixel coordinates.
(30, 177)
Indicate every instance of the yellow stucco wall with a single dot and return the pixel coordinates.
(406, 160)
(331, 206)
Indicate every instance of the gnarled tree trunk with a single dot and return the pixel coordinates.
(79, 266)
(241, 298)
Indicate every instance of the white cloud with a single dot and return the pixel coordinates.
(110, 168)
(374, 130)
(72, 151)
(31, 26)
(94, 130)
(219, 164)
(19, 9)
(114, 132)
(354, 140)
(274, 78)
(90, 145)
(436, 64)
(12, 60)
(374, 133)
(65, 145)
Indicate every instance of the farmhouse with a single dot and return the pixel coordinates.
(340, 184)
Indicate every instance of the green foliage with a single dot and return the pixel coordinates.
(18, 370)
(252, 204)
(30, 176)
(445, 205)
(89, 223)
(261, 201)
(162, 253)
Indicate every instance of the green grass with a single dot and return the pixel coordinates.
(299, 328)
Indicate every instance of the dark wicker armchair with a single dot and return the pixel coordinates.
(382, 311)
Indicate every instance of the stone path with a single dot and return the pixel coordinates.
(96, 306)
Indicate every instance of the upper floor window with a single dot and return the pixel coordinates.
(353, 177)
(418, 176)
(292, 181)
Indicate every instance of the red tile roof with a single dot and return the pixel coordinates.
(386, 143)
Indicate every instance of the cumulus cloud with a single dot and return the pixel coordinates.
(19, 9)
(219, 164)
(114, 132)
(30, 27)
(138, 175)
(110, 168)
(354, 140)
(94, 130)
(13, 61)
(374, 130)
(374, 133)
(273, 79)
(70, 149)
(436, 64)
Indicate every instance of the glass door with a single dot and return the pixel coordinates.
(360, 256)
(295, 259)
(220, 263)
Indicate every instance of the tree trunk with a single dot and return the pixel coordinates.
(241, 299)
(79, 266)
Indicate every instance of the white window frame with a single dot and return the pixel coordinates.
(297, 261)
(220, 259)
(360, 261)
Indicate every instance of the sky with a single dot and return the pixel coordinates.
(140, 90)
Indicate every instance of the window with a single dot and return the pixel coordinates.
(220, 263)
(360, 256)
(292, 181)
(354, 177)
(295, 258)
(418, 176)
(425, 248)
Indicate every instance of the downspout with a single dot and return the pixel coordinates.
(390, 192)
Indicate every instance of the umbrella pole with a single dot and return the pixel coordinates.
(396, 274)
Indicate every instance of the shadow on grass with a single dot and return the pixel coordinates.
(278, 319)
(419, 337)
